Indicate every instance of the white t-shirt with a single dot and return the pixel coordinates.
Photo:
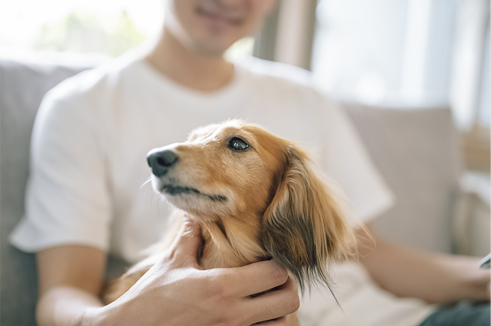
(89, 144)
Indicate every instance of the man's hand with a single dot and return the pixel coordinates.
(176, 291)
(435, 278)
(475, 282)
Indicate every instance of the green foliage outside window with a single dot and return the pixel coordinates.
(88, 32)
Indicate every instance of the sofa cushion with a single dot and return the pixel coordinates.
(417, 151)
(22, 86)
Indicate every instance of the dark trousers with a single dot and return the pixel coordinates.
(462, 314)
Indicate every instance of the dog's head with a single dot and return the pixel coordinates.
(243, 174)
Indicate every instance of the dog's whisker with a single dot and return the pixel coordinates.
(149, 180)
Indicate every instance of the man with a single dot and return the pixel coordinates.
(88, 163)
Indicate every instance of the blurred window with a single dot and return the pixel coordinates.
(108, 27)
(406, 52)
(96, 26)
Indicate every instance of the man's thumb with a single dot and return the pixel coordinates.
(187, 242)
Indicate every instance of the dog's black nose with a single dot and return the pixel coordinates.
(161, 161)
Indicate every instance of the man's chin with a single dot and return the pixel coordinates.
(211, 45)
(210, 50)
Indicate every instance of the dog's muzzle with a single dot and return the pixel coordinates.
(161, 161)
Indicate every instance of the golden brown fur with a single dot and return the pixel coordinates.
(264, 202)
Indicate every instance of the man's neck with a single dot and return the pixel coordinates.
(187, 67)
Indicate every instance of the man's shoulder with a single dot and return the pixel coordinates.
(92, 84)
(284, 79)
(277, 72)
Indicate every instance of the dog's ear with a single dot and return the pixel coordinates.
(304, 227)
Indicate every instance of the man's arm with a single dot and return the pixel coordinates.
(70, 278)
(175, 291)
(435, 278)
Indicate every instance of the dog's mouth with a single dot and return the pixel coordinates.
(179, 190)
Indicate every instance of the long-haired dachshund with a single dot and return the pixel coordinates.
(256, 197)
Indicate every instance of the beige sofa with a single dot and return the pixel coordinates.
(417, 151)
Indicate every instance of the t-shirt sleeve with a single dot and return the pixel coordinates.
(347, 162)
(67, 199)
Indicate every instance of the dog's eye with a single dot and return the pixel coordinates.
(237, 144)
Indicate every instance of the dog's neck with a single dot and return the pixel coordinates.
(229, 244)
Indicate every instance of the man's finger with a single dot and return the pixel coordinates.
(274, 304)
(257, 278)
(185, 246)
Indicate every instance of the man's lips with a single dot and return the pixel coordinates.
(217, 17)
(178, 190)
